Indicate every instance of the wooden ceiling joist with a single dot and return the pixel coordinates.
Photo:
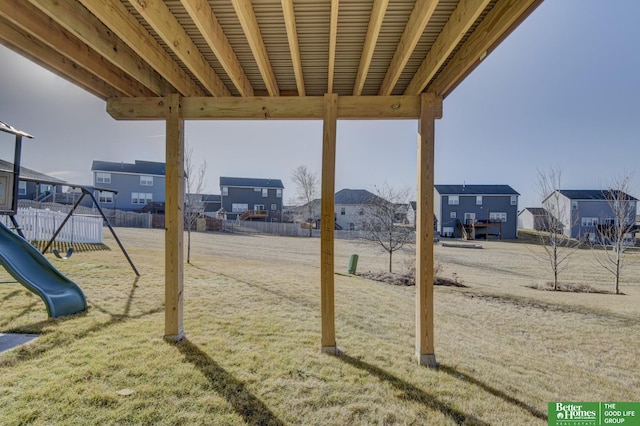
(292, 36)
(60, 42)
(202, 15)
(378, 12)
(158, 15)
(333, 40)
(116, 16)
(499, 22)
(78, 21)
(38, 52)
(249, 23)
(418, 20)
(462, 18)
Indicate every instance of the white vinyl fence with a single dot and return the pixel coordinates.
(40, 225)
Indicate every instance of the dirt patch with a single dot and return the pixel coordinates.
(407, 279)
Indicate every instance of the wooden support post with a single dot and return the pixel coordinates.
(174, 219)
(327, 219)
(431, 109)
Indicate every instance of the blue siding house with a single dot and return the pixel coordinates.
(251, 199)
(476, 211)
(137, 184)
(589, 208)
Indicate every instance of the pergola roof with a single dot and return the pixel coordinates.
(245, 48)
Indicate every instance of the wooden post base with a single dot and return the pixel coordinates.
(428, 360)
(173, 338)
(331, 350)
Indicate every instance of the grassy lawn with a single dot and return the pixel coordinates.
(251, 316)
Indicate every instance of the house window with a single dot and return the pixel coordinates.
(103, 177)
(141, 197)
(514, 200)
(279, 193)
(265, 192)
(497, 217)
(591, 237)
(609, 221)
(239, 207)
(274, 207)
(343, 211)
(258, 206)
(453, 215)
(479, 200)
(447, 231)
(225, 191)
(22, 188)
(589, 221)
(469, 218)
(574, 204)
(105, 197)
(454, 200)
(146, 180)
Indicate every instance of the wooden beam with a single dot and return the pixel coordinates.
(327, 219)
(204, 18)
(294, 48)
(462, 18)
(333, 41)
(247, 17)
(280, 108)
(29, 20)
(378, 12)
(126, 26)
(431, 106)
(158, 15)
(78, 21)
(418, 20)
(33, 49)
(174, 220)
(503, 18)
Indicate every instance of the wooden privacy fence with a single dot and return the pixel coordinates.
(40, 225)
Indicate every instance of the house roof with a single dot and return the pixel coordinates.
(593, 194)
(139, 167)
(250, 182)
(31, 175)
(124, 49)
(355, 196)
(211, 198)
(536, 211)
(475, 190)
(414, 205)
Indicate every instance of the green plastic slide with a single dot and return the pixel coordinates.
(31, 269)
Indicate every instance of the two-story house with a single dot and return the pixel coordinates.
(34, 185)
(251, 198)
(137, 184)
(473, 211)
(351, 208)
(589, 209)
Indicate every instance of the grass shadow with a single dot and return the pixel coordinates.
(243, 402)
(412, 392)
(493, 391)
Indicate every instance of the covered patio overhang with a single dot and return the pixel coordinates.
(178, 60)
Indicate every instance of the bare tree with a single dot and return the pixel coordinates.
(556, 223)
(306, 192)
(382, 225)
(614, 233)
(196, 182)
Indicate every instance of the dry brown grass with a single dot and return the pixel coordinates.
(252, 354)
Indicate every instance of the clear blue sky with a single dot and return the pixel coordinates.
(563, 90)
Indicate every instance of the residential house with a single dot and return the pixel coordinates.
(589, 209)
(251, 198)
(412, 211)
(34, 185)
(137, 184)
(209, 204)
(534, 218)
(473, 211)
(351, 206)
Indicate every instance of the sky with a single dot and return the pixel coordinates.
(561, 91)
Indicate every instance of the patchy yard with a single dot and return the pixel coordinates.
(252, 356)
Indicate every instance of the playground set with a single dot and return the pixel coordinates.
(24, 262)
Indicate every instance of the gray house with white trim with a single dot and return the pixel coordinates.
(476, 211)
(137, 184)
(589, 208)
(251, 198)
